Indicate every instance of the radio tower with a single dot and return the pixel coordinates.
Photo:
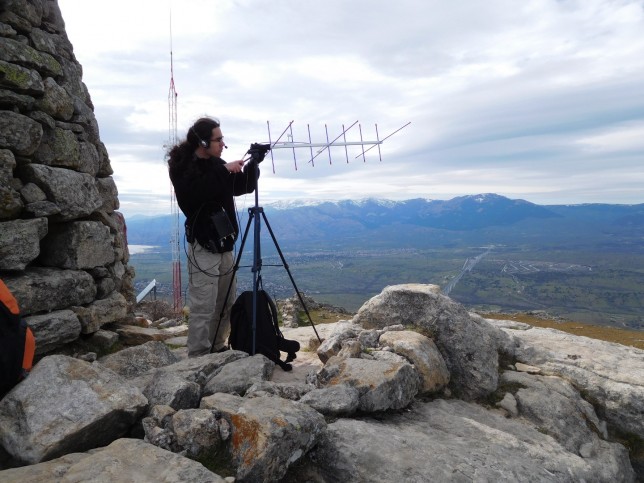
(172, 141)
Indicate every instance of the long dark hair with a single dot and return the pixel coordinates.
(198, 134)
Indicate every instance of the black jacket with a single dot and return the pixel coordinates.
(203, 187)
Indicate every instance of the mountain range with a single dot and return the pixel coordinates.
(581, 262)
(482, 219)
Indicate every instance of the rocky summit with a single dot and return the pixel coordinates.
(411, 388)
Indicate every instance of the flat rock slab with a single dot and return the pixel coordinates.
(447, 440)
(123, 460)
(610, 375)
(134, 335)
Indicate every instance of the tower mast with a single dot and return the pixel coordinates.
(172, 141)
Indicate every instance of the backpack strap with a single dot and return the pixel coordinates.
(7, 298)
(30, 349)
(284, 365)
(290, 347)
(17, 359)
(272, 308)
(274, 317)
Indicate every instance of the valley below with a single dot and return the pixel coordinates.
(570, 290)
(582, 263)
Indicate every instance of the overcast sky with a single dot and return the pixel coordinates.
(540, 100)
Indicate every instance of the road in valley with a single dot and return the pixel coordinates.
(469, 264)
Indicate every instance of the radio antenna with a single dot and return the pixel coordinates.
(339, 141)
(256, 214)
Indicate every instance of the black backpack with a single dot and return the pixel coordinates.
(17, 343)
(268, 337)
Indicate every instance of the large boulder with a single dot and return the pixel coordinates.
(64, 406)
(469, 345)
(268, 434)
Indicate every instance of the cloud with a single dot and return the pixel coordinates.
(540, 99)
(627, 138)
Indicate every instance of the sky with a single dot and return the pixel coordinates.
(540, 100)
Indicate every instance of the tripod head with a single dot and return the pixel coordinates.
(258, 151)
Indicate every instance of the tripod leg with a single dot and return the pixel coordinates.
(230, 285)
(257, 267)
(299, 295)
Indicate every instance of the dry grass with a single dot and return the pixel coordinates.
(634, 338)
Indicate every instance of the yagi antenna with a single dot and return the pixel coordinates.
(257, 152)
(339, 141)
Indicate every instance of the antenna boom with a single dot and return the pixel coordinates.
(294, 145)
(324, 146)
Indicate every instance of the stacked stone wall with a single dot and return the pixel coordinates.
(63, 248)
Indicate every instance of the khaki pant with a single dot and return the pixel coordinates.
(210, 275)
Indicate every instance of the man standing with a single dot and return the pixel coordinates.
(205, 186)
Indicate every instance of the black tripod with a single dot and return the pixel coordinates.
(257, 153)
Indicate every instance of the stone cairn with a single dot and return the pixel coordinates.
(63, 249)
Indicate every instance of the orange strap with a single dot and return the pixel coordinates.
(30, 350)
(8, 299)
(30, 341)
